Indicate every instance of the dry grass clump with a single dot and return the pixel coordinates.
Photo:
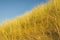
(42, 23)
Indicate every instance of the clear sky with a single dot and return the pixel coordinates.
(12, 8)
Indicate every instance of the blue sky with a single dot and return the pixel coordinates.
(12, 8)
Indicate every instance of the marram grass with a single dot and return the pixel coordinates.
(41, 23)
